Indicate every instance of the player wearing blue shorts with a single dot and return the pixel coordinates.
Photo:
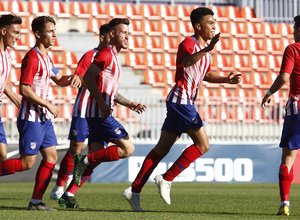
(102, 80)
(290, 138)
(79, 129)
(34, 123)
(192, 67)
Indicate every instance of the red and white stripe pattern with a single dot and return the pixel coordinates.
(188, 79)
(36, 71)
(5, 66)
(107, 80)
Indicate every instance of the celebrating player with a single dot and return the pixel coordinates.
(10, 27)
(192, 67)
(79, 128)
(289, 143)
(34, 124)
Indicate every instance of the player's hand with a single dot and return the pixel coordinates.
(75, 81)
(137, 107)
(213, 41)
(105, 111)
(53, 109)
(265, 101)
(234, 78)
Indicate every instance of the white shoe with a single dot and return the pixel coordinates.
(55, 194)
(164, 188)
(133, 199)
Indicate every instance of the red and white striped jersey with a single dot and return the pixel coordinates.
(83, 96)
(5, 65)
(36, 71)
(107, 81)
(188, 80)
(290, 64)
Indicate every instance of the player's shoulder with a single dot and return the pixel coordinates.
(293, 47)
(31, 55)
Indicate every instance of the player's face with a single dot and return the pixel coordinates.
(121, 33)
(48, 35)
(296, 34)
(208, 27)
(11, 34)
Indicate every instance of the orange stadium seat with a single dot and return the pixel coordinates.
(285, 30)
(241, 114)
(147, 11)
(283, 43)
(26, 25)
(53, 95)
(150, 28)
(2, 9)
(135, 30)
(58, 9)
(184, 28)
(273, 63)
(95, 9)
(134, 60)
(222, 48)
(112, 9)
(152, 77)
(238, 62)
(153, 62)
(19, 45)
(168, 77)
(233, 13)
(130, 11)
(206, 113)
(169, 61)
(258, 80)
(67, 72)
(151, 45)
(245, 83)
(251, 30)
(16, 58)
(270, 46)
(168, 44)
(224, 94)
(165, 12)
(269, 31)
(182, 12)
(218, 14)
(254, 46)
(77, 9)
(165, 27)
(242, 95)
(56, 46)
(249, 13)
(224, 31)
(69, 93)
(14, 76)
(36, 8)
(69, 59)
(134, 45)
(220, 62)
(55, 58)
(235, 30)
(256, 63)
(236, 45)
(30, 39)
(16, 8)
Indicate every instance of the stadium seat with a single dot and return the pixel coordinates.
(14, 76)
(220, 29)
(169, 61)
(77, 9)
(147, 11)
(224, 94)
(53, 95)
(69, 59)
(153, 61)
(168, 44)
(206, 113)
(242, 95)
(218, 14)
(256, 63)
(56, 46)
(236, 45)
(168, 77)
(135, 30)
(238, 62)
(95, 9)
(233, 13)
(273, 63)
(152, 77)
(268, 30)
(16, 8)
(241, 114)
(220, 62)
(245, 83)
(257, 79)
(20, 46)
(30, 39)
(271, 76)
(251, 30)
(184, 28)
(134, 45)
(9, 112)
(69, 94)
(26, 25)
(55, 58)
(283, 43)
(235, 30)
(222, 48)
(182, 12)
(58, 9)
(112, 9)
(94, 25)
(285, 30)
(2, 9)
(36, 8)
(16, 58)
(254, 47)
(249, 13)
(134, 60)
(124, 114)
(224, 114)
(148, 27)
(151, 45)
(130, 11)
(165, 12)
(269, 45)
(165, 27)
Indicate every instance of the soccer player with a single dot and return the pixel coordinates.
(34, 123)
(102, 80)
(192, 67)
(10, 27)
(79, 128)
(289, 143)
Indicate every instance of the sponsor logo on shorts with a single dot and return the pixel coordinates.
(32, 145)
(75, 132)
(195, 120)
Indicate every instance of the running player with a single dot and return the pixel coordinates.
(192, 67)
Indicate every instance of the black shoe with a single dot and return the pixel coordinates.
(79, 167)
(39, 207)
(68, 202)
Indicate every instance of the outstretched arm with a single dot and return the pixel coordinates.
(134, 106)
(71, 80)
(232, 78)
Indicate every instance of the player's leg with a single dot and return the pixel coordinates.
(3, 143)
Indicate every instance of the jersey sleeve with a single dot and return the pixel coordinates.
(288, 60)
(29, 69)
(84, 64)
(102, 59)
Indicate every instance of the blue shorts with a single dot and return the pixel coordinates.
(106, 130)
(79, 129)
(35, 136)
(290, 137)
(2, 133)
(181, 118)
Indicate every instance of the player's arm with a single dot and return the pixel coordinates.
(72, 80)
(134, 106)
(281, 79)
(11, 95)
(90, 82)
(190, 60)
(27, 92)
(232, 78)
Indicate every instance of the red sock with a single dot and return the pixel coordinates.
(42, 179)
(66, 167)
(11, 166)
(147, 168)
(285, 180)
(72, 188)
(188, 156)
(107, 154)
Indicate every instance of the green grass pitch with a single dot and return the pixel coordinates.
(189, 201)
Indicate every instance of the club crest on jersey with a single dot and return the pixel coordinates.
(118, 131)
(32, 145)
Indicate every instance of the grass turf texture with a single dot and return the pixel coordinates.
(189, 201)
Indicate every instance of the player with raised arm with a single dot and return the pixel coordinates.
(34, 123)
(290, 142)
(192, 67)
(79, 129)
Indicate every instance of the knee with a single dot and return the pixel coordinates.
(27, 165)
(203, 148)
(128, 151)
(2, 157)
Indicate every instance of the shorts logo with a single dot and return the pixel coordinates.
(195, 120)
(32, 145)
(75, 132)
(118, 131)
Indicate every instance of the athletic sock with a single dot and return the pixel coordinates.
(11, 166)
(42, 179)
(147, 168)
(285, 181)
(188, 156)
(107, 154)
(66, 167)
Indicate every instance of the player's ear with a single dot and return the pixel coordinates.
(3, 31)
(197, 26)
(37, 34)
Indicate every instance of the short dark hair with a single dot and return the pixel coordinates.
(297, 21)
(38, 23)
(198, 13)
(6, 20)
(104, 29)
(116, 21)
